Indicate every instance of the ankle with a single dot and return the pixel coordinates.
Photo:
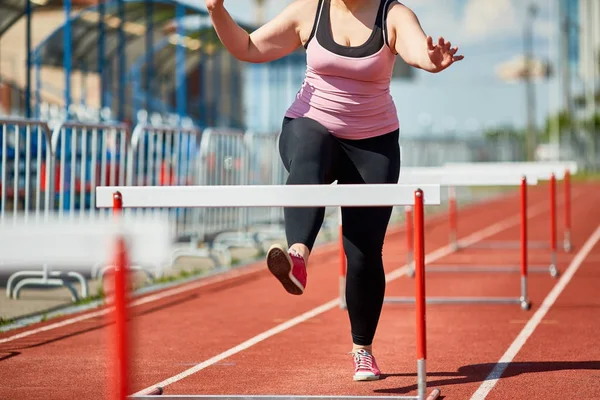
(302, 250)
(357, 347)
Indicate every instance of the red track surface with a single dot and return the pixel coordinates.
(464, 341)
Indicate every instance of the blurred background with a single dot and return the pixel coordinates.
(526, 90)
(140, 92)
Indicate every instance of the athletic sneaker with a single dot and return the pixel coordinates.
(365, 367)
(289, 267)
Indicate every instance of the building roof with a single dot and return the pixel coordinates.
(199, 38)
(13, 10)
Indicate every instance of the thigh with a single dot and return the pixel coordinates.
(305, 142)
(370, 161)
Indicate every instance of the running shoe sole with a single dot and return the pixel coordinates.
(366, 377)
(279, 263)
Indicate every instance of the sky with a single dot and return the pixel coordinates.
(470, 95)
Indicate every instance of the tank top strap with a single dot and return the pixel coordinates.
(386, 9)
(315, 23)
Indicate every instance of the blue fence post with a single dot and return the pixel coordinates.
(38, 84)
(67, 53)
(28, 69)
(180, 74)
(217, 87)
(122, 61)
(149, 53)
(101, 46)
(201, 91)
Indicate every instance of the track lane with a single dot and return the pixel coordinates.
(462, 342)
(561, 359)
(164, 342)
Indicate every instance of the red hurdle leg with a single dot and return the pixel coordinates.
(342, 257)
(452, 217)
(120, 339)
(117, 203)
(553, 267)
(567, 240)
(525, 304)
(409, 240)
(419, 240)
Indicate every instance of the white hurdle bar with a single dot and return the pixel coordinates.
(281, 196)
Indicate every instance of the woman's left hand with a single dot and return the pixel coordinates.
(441, 55)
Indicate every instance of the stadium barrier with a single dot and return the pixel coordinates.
(57, 171)
(26, 192)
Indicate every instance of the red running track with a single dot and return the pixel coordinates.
(180, 331)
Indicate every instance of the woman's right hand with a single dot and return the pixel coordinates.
(213, 4)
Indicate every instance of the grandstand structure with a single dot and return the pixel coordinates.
(116, 60)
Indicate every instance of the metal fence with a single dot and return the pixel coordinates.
(26, 152)
(56, 171)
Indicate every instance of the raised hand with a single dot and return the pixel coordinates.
(442, 55)
(212, 4)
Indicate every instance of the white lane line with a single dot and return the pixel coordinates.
(535, 319)
(431, 257)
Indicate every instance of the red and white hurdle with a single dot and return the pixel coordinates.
(446, 177)
(416, 195)
(542, 171)
(501, 174)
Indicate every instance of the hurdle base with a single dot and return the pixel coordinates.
(505, 245)
(524, 303)
(567, 246)
(491, 268)
(435, 393)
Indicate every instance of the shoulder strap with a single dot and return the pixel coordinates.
(316, 22)
(386, 9)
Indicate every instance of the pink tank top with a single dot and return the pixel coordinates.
(347, 89)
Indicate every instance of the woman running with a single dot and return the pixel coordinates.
(342, 126)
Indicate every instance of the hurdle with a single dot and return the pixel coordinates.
(546, 171)
(451, 179)
(447, 176)
(75, 245)
(442, 176)
(382, 195)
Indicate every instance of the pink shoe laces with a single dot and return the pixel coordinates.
(363, 361)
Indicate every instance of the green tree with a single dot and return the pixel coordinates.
(561, 121)
(592, 125)
(565, 123)
(505, 133)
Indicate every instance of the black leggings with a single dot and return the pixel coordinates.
(312, 155)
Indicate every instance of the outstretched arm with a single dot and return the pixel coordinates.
(415, 48)
(271, 41)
